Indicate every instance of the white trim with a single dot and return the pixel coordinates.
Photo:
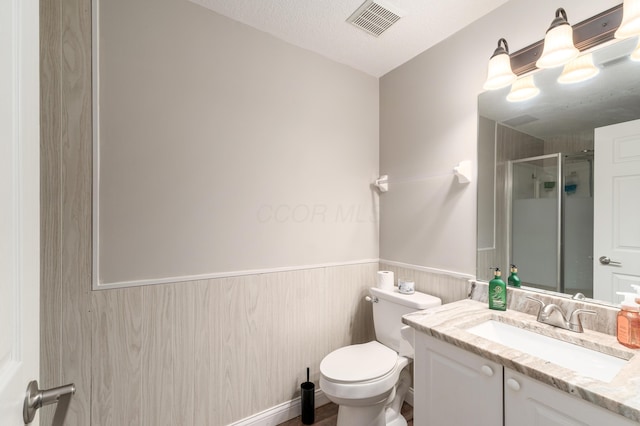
(280, 413)
(291, 409)
(408, 398)
(214, 275)
(95, 88)
(428, 269)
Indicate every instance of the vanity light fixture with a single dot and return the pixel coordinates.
(523, 89)
(558, 43)
(630, 25)
(580, 69)
(499, 73)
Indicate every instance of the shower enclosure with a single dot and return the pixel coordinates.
(550, 201)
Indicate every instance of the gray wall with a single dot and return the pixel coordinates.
(428, 124)
(271, 147)
(215, 350)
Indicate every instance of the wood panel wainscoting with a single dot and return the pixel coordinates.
(216, 351)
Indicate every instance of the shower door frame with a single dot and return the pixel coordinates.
(560, 213)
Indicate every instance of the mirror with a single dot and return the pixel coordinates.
(536, 171)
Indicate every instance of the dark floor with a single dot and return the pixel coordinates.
(327, 414)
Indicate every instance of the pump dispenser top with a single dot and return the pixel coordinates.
(636, 287)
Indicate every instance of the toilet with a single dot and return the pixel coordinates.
(369, 381)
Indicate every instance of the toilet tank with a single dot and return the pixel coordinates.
(389, 308)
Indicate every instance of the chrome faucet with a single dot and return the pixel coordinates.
(552, 314)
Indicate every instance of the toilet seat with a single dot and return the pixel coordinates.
(359, 363)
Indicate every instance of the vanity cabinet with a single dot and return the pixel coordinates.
(455, 387)
(528, 402)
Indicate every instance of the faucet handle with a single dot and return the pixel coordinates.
(574, 320)
(542, 305)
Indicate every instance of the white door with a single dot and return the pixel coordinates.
(19, 205)
(616, 221)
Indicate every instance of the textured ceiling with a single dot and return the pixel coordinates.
(320, 26)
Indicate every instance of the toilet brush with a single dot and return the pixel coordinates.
(307, 401)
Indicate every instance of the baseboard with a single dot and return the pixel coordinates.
(280, 413)
(290, 410)
(409, 397)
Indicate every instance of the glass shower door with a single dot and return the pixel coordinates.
(577, 223)
(535, 220)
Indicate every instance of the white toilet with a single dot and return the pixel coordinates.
(369, 381)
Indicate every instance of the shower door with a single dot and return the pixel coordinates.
(577, 223)
(535, 214)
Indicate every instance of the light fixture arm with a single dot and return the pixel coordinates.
(501, 49)
(560, 19)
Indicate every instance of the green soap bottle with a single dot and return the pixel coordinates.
(497, 292)
(514, 279)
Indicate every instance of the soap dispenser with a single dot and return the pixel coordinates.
(628, 321)
(497, 292)
(514, 279)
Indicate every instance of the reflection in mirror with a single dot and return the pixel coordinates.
(536, 171)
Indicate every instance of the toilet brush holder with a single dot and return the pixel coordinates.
(307, 401)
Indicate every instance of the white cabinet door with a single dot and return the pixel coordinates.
(528, 402)
(453, 387)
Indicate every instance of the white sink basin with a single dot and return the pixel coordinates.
(586, 362)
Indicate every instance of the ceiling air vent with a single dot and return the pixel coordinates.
(375, 17)
(521, 120)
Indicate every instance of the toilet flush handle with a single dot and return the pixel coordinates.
(370, 299)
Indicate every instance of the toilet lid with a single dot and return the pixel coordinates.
(357, 363)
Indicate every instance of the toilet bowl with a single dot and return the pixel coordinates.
(369, 381)
(361, 380)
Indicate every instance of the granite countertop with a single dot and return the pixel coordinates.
(449, 323)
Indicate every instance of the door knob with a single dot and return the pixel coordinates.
(36, 398)
(606, 261)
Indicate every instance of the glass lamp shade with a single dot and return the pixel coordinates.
(580, 69)
(499, 73)
(558, 47)
(630, 25)
(523, 89)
